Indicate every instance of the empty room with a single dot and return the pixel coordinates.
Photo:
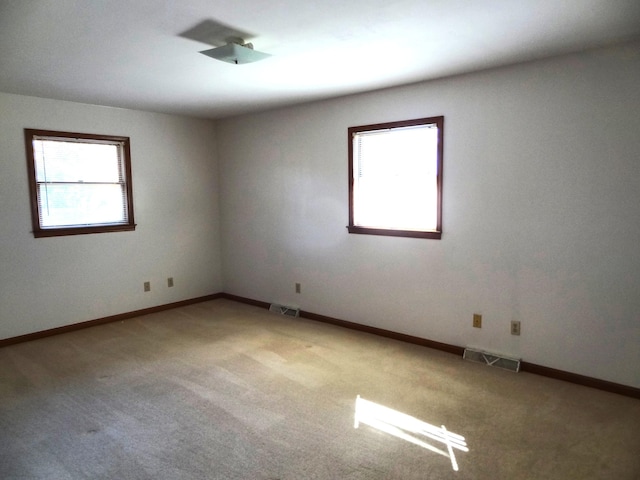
(319, 240)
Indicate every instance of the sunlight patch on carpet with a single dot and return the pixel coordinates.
(409, 428)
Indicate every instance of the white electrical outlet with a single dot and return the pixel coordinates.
(515, 327)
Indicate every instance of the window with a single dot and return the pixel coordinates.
(395, 178)
(79, 183)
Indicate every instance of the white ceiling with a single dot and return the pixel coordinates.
(128, 53)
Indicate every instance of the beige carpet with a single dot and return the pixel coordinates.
(221, 390)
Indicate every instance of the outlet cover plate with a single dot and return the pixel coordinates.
(515, 327)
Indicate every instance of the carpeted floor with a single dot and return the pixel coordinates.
(222, 390)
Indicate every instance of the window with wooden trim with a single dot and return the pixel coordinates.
(79, 183)
(395, 178)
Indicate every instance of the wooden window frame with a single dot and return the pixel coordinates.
(38, 229)
(430, 234)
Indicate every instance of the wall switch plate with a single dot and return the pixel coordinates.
(515, 327)
(170, 282)
(147, 286)
(297, 288)
(477, 320)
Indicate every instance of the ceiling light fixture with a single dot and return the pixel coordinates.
(236, 51)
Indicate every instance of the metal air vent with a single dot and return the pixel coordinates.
(284, 310)
(492, 359)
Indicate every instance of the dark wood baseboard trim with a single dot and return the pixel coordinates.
(248, 301)
(445, 347)
(583, 380)
(100, 321)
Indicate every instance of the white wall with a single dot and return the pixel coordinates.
(541, 214)
(49, 282)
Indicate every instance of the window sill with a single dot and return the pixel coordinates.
(60, 232)
(434, 235)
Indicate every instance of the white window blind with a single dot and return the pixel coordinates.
(396, 178)
(79, 182)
